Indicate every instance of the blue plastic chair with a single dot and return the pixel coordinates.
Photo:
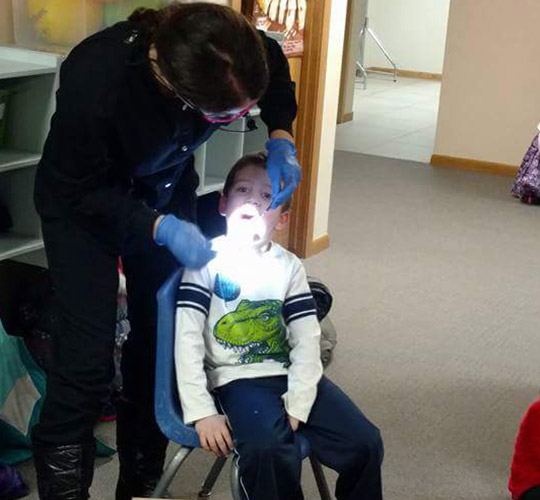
(168, 411)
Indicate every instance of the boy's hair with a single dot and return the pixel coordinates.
(253, 159)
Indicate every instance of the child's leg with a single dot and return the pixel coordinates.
(269, 459)
(343, 439)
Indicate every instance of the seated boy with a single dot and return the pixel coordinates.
(248, 358)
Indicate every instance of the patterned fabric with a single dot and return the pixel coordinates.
(11, 483)
(527, 184)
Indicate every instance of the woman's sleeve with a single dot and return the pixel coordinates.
(86, 181)
(278, 104)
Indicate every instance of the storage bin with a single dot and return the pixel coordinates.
(6, 22)
(58, 25)
(55, 24)
(115, 11)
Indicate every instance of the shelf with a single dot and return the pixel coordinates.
(12, 245)
(16, 62)
(211, 184)
(12, 159)
(14, 69)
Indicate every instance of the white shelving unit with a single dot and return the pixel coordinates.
(30, 78)
(214, 159)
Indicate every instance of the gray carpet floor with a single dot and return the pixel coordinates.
(435, 277)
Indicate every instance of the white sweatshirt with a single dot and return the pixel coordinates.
(246, 315)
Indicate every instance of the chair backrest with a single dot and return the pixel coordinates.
(168, 411)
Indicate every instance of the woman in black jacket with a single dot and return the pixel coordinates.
(117, 179)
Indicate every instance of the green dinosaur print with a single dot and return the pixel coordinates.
(256, 331)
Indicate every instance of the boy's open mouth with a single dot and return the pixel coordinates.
(248, 212)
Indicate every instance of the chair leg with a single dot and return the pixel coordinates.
(320, 479)
(235, 480)
(211, 478)
(170, 471)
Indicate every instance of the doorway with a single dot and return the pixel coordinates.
(392, 115)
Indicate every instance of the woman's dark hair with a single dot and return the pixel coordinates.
(210, 54)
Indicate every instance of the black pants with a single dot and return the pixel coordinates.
(85, 280)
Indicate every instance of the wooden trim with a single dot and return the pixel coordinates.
(406, 73)
(309, 123)
(319, 244)
(474, 165)
(236, 5)
(347, 117)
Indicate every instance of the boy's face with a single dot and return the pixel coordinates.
(246, 208)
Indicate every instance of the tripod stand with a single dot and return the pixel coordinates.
(364, 32)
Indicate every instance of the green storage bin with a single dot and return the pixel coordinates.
(120, 10)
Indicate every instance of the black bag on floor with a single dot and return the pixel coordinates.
(323, 302)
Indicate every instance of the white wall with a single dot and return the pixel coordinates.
(331, 98)
(413, 32)
(490, 95)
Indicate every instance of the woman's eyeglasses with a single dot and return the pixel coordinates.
(220, 116)
(210, 116)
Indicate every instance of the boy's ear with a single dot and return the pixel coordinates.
(222, 207)
(282, 221)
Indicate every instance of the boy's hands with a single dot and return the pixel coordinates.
(295, 423)
(215, 435)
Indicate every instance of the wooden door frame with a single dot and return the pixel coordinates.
(308, 126)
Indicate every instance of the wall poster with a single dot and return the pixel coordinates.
(282, 19)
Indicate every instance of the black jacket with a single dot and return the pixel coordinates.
(118, 147)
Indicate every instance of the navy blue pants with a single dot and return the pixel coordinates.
(269, 458)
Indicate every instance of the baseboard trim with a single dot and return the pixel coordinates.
(319, 244)
(474, 165)
(406, 73)
(347, 117)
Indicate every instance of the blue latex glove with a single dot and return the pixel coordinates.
(184, 241)
(283, 169)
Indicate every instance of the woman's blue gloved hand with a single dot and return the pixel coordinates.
(283, 169)
(184, 241)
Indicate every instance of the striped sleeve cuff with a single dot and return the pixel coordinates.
(193, 296)
(299, 306)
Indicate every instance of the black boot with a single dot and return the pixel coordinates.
(64, 472)
(141, 452)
